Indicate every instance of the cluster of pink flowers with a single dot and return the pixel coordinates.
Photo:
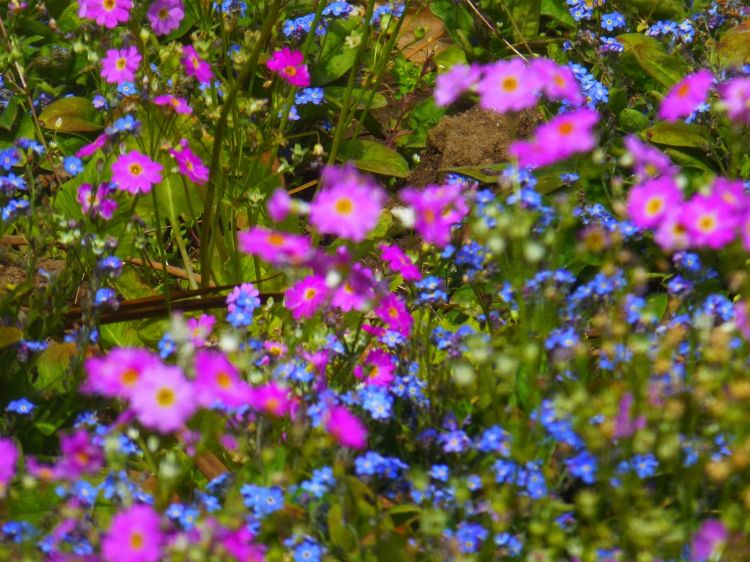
(290, 65)
(511, 85)
(179, 105)
(706, 220)
(195, 65)
(437, 208)
(558, 139)
(685, 96)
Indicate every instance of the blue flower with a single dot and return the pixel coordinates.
(470, 537)
(377, 402)
(613, 20)
(9, 157)
(583, 466)
(263, 501)
(21, 406)
(308, 551)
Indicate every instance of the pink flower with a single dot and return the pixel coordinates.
(348, 205)
(79, 456)
(671, 233)
(561, 137)
(190, 165)
(558, 82)
(708, 540)
(744, 226)
(742, 318)
(290, 66)
(732, 192)
(240, 545)
(625, 425)
(279, 205)
(107, 13)
(399, 262)
(120, 65)
(378, 369)
(135, 172)
(709, 220)
(650, 201)
(436, 210)
(272, 399)
(93, 147)
(200, 329)
(648, 161)
(178, 104)
(686, 95)
(116, 374)
(346, 428)
(8, 460)
(165, 15)
(133, 536)
(735, 95)
(508, 86)
(217, 380)
(196, 66)
(305, 297)
(96, 200)
(275, 247)
(394, 314)
(450, 85)
(163, 400)
(356, 291)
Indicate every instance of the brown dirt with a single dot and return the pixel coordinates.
(12, 275)
(473, 138)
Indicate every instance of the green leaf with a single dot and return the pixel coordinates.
(733, 48)
(677, 134)
(525, 15)
(70, 115)
(9, 335)
(650, 55)
(53, 365)
(371, 156)
(8, 116)
(341, 535)
(632, 120)
(336, 57)
(656, 306)
(33, 505)
(558, 11)
(336, 95)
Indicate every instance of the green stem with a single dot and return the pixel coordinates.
(247, 69)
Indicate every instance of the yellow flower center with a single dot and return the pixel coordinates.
(129, 377)
(135, 169)
(309, 294)
(683, 90)
(108, 5)
(510, 84)
(275, 239)
(223, 380)
(120, 63)
(290, 71)
(566, 128)
(136, 541)
(654, 206)
(165, 397)
(707, 223)
(344, 206)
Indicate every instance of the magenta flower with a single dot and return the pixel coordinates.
(648, 162)
(279, 204)
(356, 291)
(625, 425)
(742, 318)
(450, 85)
(189, 164)
(79, 456)
(436, 210)
(735, 95)
(107, 13)
(179, 105)
(218, 381)
(290, 66)
(709, 220)
(671, 234)
(305, 297)
(732, 192)
(273, 399)
(399, 262)
(120, 65)
(508, 86)
(650, 201)
(394, 314)
(378, 368)
(93, 147)
(240, 545)
(744, 226)
(708, 540)
(200, 329)
(8, 460)
(275, 247)
(686, 95)
(116, 374)
(96, 201)
(560, 138)
(165, 15)
(349, 204)
(346, 428)
(163, 400)
(134, 536)
(557, 82)
(196, 66)
(135, 173)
